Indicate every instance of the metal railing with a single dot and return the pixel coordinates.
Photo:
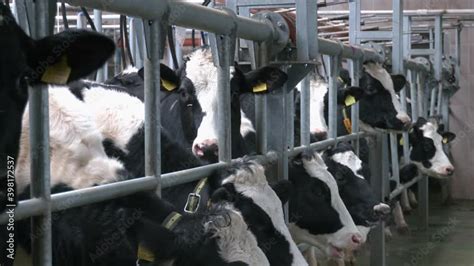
(229, 26)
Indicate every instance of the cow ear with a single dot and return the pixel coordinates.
(349, 96)
(448, 137)
(283, 190)
(141, 73)
(68, 56)
(181, 71)
(169, 79)
(265, 79)
(222, 194)
(399, 82)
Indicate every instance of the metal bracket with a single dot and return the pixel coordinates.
(281, 31)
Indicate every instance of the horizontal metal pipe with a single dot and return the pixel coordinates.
(185, 15)
(320, 145)
(400, 189)
(333, 48)
(412, 12)
(25, 209)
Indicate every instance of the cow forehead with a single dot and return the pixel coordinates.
(430, 130)
(349, 159)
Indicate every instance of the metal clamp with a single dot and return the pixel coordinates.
(192, 203)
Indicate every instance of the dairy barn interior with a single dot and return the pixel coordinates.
(236, 132)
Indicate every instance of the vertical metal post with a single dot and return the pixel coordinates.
(152, 105)
(458, 53)
(377, 235)
(39, 150)
(225, 50)
(261, 104)
(139, 50)
(307, 48)
(422, 109)
(433, 100)
(81, 22)
(354, 29)
(438, 59)
(132, 37)
(98, 24)
(355, 76)
(414, 95)
(333, 74)
(397, 36)
(117, 58)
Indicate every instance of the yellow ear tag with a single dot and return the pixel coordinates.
(57, 73)
(445, 140)
(350, 100)
(145, 254)
(261, 87)
(402, 142)
(168, 85)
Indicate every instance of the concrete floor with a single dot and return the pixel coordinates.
(449, 240)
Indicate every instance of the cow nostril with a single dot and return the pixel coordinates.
(357, 239)
(449, 171)
(198, 150)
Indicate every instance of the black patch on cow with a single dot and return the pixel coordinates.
(310, 201)
(270, 240)
(355, 192)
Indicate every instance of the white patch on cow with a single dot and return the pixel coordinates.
(253, 184)
(343, 237)
(349, 159)
(318, 89)
(76, 152)
(202, 72)
(246, 125)
(117, 114)
(130, 70)
(379, 73)
(236, 242)
(440, 161)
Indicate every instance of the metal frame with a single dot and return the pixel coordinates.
(227, 27)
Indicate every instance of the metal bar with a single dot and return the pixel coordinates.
(81, 22)
(225, 51)
(306, 30)
(152, 105)
(39, 150)
(412, 12)
(438, 42)
(261, 116)
(433, 100)
(375, 35)
(397, 35)
(423, 202)
(333, 75)
(80, 197)
(416, 52)
(321, 145)
(394, 157)
(354, 30)
(440, 98)
(186, 15)
(101, 77)
(401, 188)
(377, 234)
(414, 95)
(329, 47)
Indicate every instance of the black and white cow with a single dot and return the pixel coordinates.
(202, 72)
(427, 153)
(31, 63)
(379, 106)
(180, 109)
(316, 208)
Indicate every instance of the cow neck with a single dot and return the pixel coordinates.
(144, 255)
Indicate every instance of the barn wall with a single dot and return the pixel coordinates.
(461, 111)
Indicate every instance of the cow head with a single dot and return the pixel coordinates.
(245, 185)
(427, 140)
(181, 111)
(60, 58)
(316, 208)
(202, 72)
(355, 191)
(380, 107)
